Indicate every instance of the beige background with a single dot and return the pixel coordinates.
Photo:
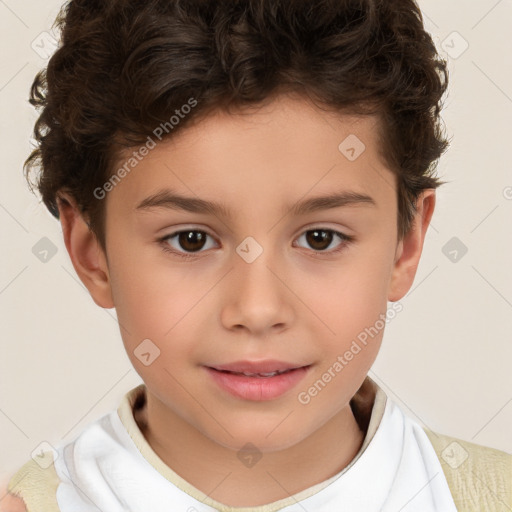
(445, 358)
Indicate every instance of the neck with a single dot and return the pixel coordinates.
(215, 470)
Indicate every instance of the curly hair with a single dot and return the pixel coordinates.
(124, 67)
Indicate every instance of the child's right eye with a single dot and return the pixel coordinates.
(185, 240)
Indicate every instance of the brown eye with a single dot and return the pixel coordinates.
(191, 240)
(319, 239)
(185, 243)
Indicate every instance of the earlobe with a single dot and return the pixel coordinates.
(85, 252)
(409, 249)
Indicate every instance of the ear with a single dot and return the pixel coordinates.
(86, 254)
(408, 252)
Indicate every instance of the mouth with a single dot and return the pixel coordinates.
(257, 381)
(266, 367)
(259, 374)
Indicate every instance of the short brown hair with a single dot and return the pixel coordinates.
(124, 66)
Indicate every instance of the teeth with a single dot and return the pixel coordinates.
(271, 374)
(262, 374)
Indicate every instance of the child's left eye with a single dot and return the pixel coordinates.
(319, 237)
(193, 240)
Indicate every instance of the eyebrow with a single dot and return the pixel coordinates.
(169, 199)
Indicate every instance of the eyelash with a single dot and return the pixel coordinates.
(345, 239)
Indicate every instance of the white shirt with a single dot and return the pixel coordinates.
(110, 467)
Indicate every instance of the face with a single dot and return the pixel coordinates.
(257, 284)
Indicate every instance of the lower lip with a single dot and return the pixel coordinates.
(258, 388)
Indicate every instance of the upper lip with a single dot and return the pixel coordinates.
(266, 366)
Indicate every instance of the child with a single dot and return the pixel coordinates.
(296, 141)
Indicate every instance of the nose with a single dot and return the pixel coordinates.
(256, 298)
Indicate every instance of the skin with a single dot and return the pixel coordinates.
(9, 502)
(294, 302)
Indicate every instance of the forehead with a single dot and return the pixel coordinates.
(283, 151)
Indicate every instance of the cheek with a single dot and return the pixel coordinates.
(160, 304)
(150, 295)
(352, 296)
(351, 303)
